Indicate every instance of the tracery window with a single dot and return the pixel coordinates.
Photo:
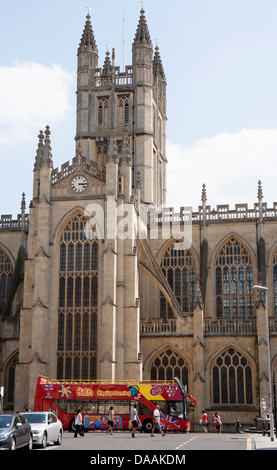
(275, 283)
(167, 365)
(78, 303)
(178, 266)
(103, 112)
(6, 273)
(123, 110)
(234, 281)
(232, 378)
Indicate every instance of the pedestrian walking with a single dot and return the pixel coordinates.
(214, 423)
(79, 424)
(237, 425)
(110, 420)
(157, 421)
(204, 421)
(134, 419)
(218, 423)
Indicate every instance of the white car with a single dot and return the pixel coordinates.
(46, 427)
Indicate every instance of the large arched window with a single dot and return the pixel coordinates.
(275, 282)
(6, 273)
(234, 281)
(178, 267)
(167, 365)
(78, 303)
(232, 379)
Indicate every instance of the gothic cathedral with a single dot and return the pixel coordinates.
(100, 281)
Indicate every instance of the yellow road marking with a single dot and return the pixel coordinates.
(187, 442)
(249, 445)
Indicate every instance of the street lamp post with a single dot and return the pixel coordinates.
(265, 289)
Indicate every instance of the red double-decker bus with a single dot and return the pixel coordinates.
(96, 398)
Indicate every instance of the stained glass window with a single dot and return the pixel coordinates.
(78, 303)
(275, 283)
(232, 379)
(6, 273)
(234, 281)
(178, 266)
(169, 364)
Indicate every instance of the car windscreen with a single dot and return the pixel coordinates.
(35, 417)
(5, 421)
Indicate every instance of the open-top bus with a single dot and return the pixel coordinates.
(96, 398)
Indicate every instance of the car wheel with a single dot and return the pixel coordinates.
(29, 446)
(12, 446)
(44, 440)
(71, 427)
(59, 440)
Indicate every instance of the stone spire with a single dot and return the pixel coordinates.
(158, 69)
(142, 34)
(88, 40)
(107, 67)
(44, 155)
(39, 155)
(260, 201)
(47, 152)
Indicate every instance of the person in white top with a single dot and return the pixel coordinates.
(157, 421)
(135, 419)
(78, 424)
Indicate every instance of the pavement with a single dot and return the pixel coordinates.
(261, 442)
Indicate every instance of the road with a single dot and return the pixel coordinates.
(121, 441)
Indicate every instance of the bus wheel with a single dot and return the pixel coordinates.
(147, 425)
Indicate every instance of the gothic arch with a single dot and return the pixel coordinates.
(8, 252)
(180, 268)
(232, 374)
(6, 274)
(222, 242)
(68, 216)
(78, 291)
(166, 362)
(272, 278)
(9, 379)
(164, 247)
(233, 274)
(271, 253)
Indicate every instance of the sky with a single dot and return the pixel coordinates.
(220, 60)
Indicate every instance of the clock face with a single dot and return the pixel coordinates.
(79, 184)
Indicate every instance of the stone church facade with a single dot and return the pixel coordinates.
(100, 281)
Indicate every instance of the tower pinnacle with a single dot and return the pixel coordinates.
(142, 34)
(88, 40)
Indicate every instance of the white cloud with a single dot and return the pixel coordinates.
(31, 96)
(229, 164)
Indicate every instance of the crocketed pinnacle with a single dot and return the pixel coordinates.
(44, 151)
(142, 34)
(107, 67)
(88, 39)
(158, 69)
(260, 191)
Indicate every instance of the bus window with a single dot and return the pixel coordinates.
(163, 404)
(176, 409)
(104, 407)
(121, 407)
(143, 410)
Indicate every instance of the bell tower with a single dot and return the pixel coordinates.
(128, 104)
